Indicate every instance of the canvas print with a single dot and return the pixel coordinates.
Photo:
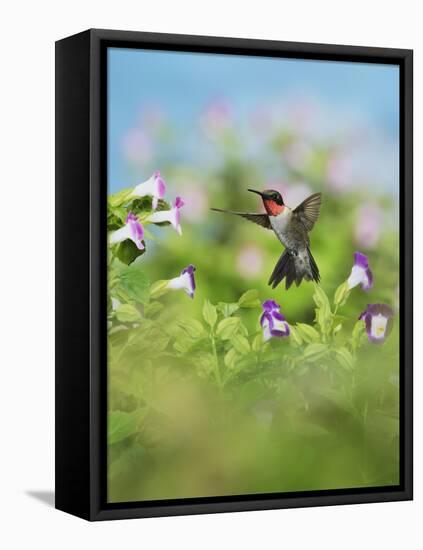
(253, 275)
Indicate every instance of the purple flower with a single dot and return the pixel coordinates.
(272, 321)
(173, 216)
(360, 273)
(378, 320)
(185, 281)
(154, 186)
(131, 230)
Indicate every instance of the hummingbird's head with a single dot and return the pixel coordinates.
(272, 200)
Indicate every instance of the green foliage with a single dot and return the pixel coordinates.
(209, 313)
(122, 425)
(190, 379)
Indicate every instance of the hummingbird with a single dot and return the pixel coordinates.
(291, 227)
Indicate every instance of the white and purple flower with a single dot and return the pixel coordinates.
(378, 320)
(185, 281)
(272, 321)
(132, 230)
(360, 273)
(173, 216)
(155, 186)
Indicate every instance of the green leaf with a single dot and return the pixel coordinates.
(295, 336)
(136, 284)
(158, 289)
(249, 299)
(258, 342)
(127, 252)
(209, 313)
(307, 333)
(358, 335)
(337, 328)
(152, 308)
(341, 294)
(314, 352)
(121, 424)
(227, 309)
(117, 199)
(320, 298)
(345, 358)
(127, 313)
(227, 328)
(240, 344)
(192, 327)
(231, 358)
(324, 315)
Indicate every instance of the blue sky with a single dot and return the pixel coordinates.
(182, 84)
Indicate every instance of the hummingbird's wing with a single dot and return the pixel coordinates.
(308, 211)
(260, 219)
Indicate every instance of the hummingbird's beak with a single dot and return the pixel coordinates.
(257, 192)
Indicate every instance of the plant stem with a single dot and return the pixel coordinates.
(216, 360)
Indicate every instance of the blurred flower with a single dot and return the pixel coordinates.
(339, 172)
(262, 120)
(173, 216)
(154, 186)
(185, 281)
(132, 230)
(136, 146)
(293, 193)
(360, 273)
(217, 116)
(297, 154)
(153, 117)
(272, 321)
(115, 303)
(302, 112)
(368, 226)
(196, 201)
(249, 261)
(378, 320)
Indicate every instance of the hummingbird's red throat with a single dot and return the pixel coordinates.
(273, 208)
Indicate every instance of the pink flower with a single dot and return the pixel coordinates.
(368, 226)
(136, 146)
(154, 186)
(132, 230)
(249, 261)
(297, 154)
(293, 193)
(173, 216)
(196, 201)
(339, 172)
(216, 116)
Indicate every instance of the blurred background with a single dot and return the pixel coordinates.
(214, 126)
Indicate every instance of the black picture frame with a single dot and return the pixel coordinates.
(81, 279)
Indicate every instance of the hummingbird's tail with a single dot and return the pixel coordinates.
(295, 266)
